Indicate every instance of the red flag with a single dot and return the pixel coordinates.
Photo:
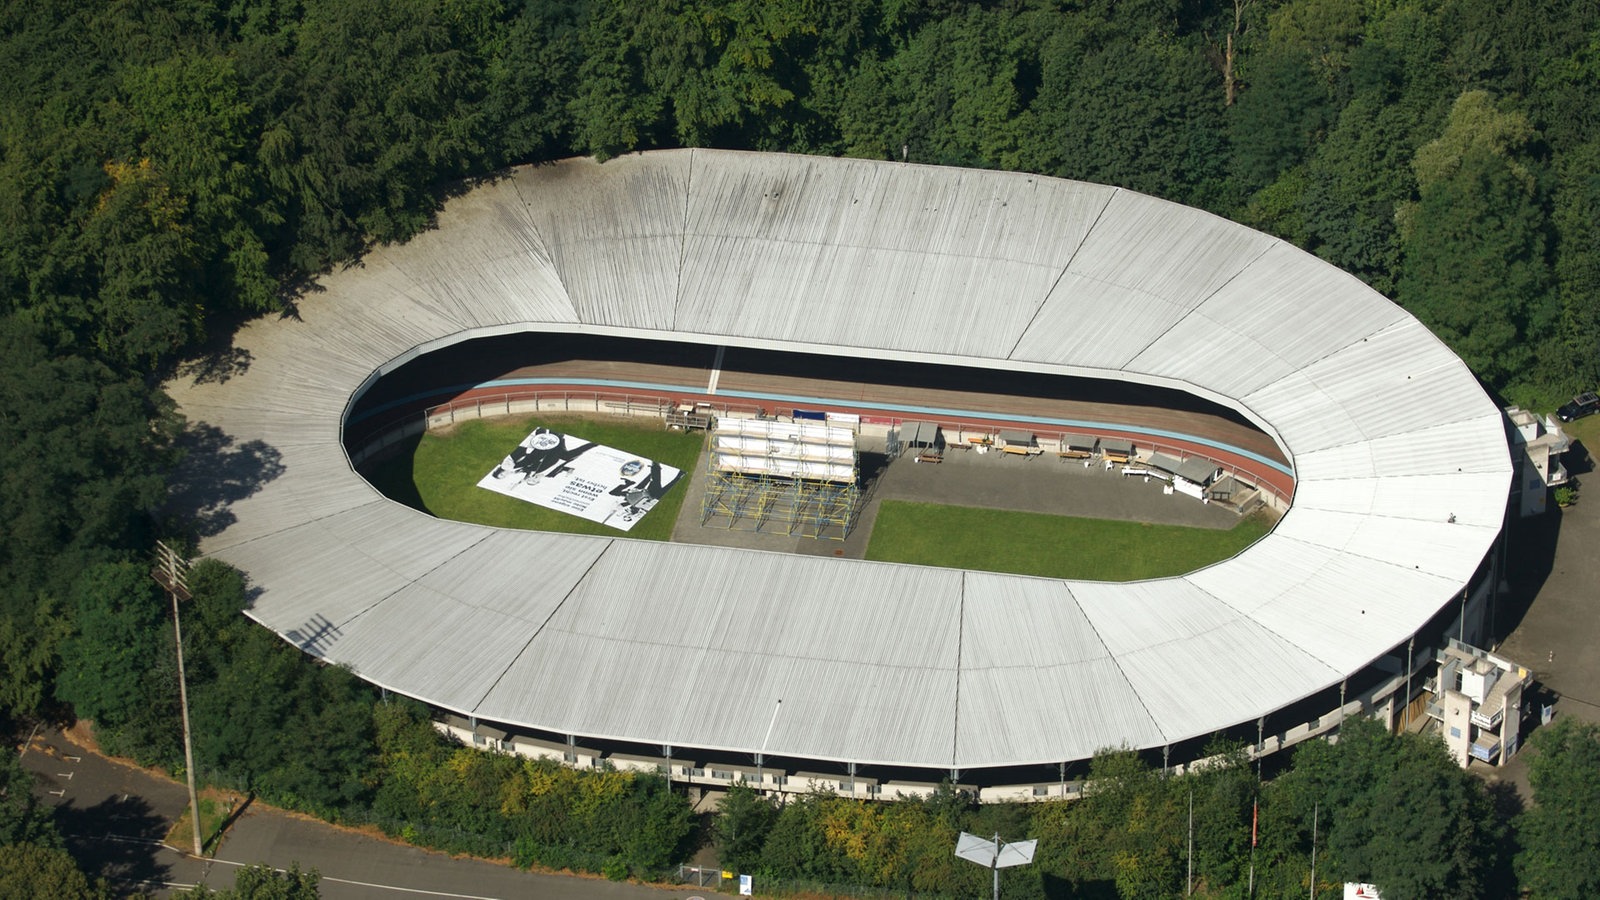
(1254, 816)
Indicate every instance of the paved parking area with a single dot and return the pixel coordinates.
(1043, 484)
(1550, 615)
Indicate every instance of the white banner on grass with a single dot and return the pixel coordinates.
(567, 473)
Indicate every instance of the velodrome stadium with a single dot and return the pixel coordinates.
(1389, 464)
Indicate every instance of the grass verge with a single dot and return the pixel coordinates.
(441, 472)
(1024, 543)
(215, 816)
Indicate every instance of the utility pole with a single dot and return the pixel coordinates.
(1188, 884)
(1315, 808)
(172, 573)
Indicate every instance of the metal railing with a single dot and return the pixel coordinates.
(1243, 474)
(375, 440)
(378, 439)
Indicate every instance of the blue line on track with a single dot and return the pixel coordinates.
(928, 411)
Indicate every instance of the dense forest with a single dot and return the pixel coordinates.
(170, 169)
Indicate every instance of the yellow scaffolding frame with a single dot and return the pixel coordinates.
(766, 503)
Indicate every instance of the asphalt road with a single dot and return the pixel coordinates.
(115, 816)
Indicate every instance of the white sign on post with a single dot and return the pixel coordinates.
(745, 885)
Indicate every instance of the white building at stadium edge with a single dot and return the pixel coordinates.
(892, 677)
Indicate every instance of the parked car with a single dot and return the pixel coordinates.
(1581, 405)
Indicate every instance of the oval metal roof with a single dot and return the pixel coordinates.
(1401, 462)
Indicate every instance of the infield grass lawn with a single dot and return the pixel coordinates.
(1025, 543)
(440, 475)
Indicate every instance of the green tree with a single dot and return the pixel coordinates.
(744, 818)
(1354, 182)
(531, 67)
(370, 105)
(1577, 268)
(1475, 269)
(1559, 834)
(1279, 117)
(1127, 103)
(118, 619)
(143, 254)
(84, 450)
(1381, 798)
(23, 820)
(34, 872)
(698, 73)
(28, 644)
(197, 120)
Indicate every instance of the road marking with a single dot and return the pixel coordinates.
(381, 887)
(122, 839)
(60, 793)
(73, 758)
(66, 775)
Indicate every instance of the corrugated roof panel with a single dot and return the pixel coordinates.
(466, 650)
(1303, 414)
(1141, 614)
(1095, 323)
(1467, 498)
(1398, 380)
(1333, 606)
(1354, 610)
(1199, 350)
(908, 208)
(324, 587)
(614, 234)
(705, 597)
(1010, 622)
(377, 281)
(480, 608)
(1251, 580)
(1279, 302)
(839, 253)
(1166, 250)
(1037, 683)
(1466, 446)
(830, 295)
(1438, 547)
(1051, 713)
(488, 262)
(1198, 685)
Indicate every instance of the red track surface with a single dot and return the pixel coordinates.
(997, 404)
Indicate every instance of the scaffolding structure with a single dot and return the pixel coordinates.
(773, 477)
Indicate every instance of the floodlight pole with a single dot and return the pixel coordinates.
(975, 849)
(170, 574)
(995, 866)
